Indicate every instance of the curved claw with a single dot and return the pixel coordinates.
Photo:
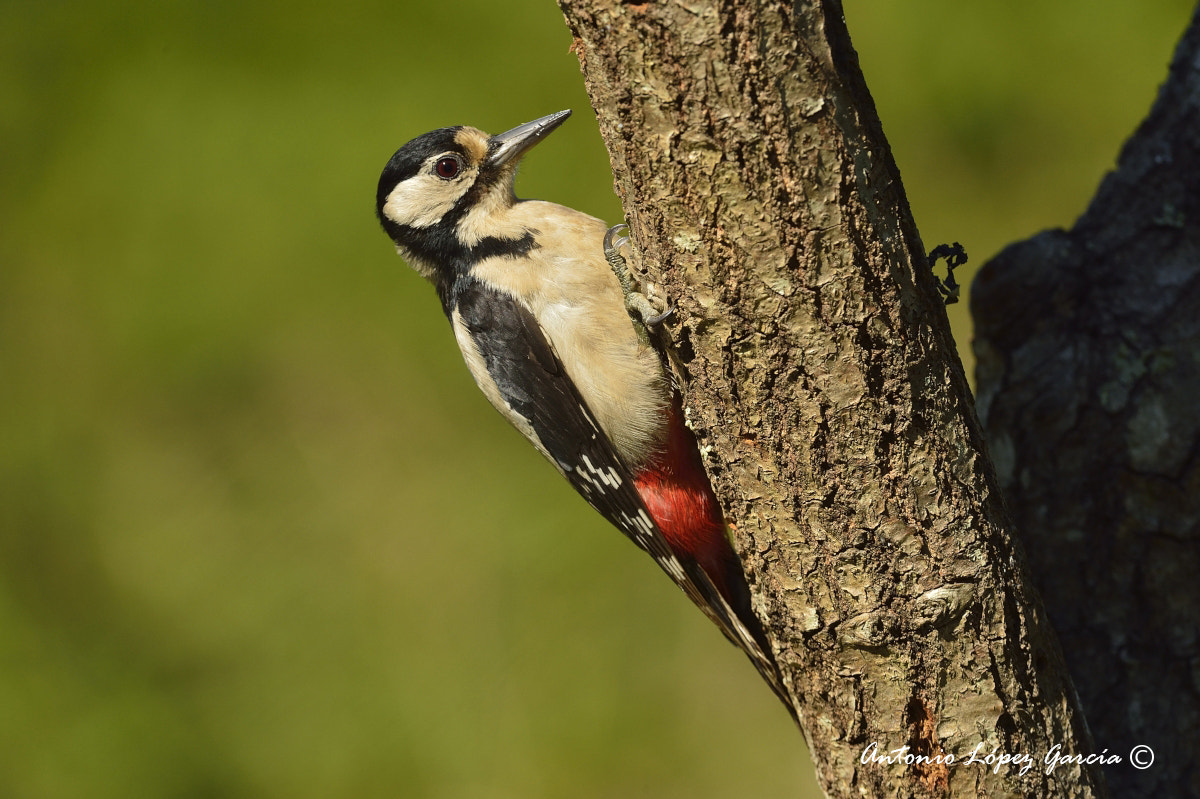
(611, 242)
(643, 312)
(658, 319)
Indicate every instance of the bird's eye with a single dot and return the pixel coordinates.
(446, 167)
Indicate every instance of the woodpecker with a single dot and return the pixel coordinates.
(553, 331)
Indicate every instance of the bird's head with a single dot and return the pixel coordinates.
(442, 195)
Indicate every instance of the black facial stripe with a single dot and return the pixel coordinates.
(494, 246)
(440, 245)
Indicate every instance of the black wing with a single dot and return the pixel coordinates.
(541, 400)
(533, 385)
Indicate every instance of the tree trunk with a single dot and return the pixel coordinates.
(838, 426)
(1088, 343)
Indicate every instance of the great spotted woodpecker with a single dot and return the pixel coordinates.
(547, 329)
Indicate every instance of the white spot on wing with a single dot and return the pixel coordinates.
(635, 527)
(673, 568)
(601, 478)
(588, 484)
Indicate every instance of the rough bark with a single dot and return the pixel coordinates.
(824, 384)
(1088, 343)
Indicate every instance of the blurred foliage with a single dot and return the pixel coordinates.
(259, 534)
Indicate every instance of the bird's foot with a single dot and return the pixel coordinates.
(639, 306)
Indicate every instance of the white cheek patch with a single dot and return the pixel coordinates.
(422, 200)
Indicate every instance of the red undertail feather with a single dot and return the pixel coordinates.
(678, 496)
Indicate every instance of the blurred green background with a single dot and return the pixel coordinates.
(259, 534)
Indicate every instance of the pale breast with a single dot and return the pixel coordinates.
(575, 297)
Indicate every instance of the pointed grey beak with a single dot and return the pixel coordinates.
(512, 144)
